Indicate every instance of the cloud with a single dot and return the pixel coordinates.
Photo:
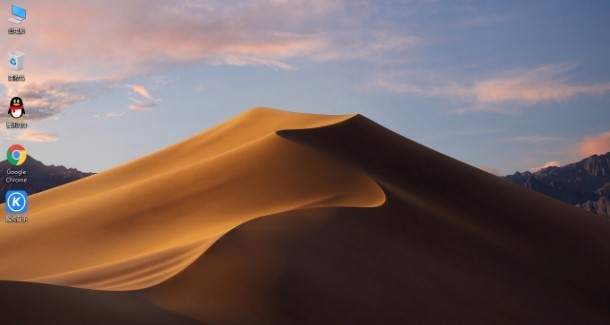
(468, 133)
(140, 90)
(240, 33)
(428, 84)
(276, 34)
(159, 81)
(45, 100)
(542, 84)
(199, 87)
(534, 139)
(370, 44)
(244, 60)
(37, 136)
(305, 8)
(259, 33)
(574, 150)
(553, 163)
(138, 105)
(145, 103)
(109, 115)
(513, 89)
(29, 135)
(596, 145)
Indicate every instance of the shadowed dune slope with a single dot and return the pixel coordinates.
(36, 303)
(359, 226)
(451, 244)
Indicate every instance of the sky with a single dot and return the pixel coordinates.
(501, 85)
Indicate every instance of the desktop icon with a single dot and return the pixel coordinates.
(16, 110)
(16, 155)
(18, 14)
(15, 60)
(16, 201)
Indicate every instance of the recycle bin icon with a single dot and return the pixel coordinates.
(15, 59)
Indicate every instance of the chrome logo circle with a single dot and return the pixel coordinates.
(16, 155)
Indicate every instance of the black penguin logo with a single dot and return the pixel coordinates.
(16, 109)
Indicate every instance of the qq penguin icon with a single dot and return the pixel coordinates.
(16, 109)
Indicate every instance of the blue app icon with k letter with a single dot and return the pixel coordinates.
(16, 202)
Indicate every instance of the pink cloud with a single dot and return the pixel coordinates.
(553, 163)
(141, 90)
(29, 135)
(538, 85)
(524, 87)
(147, 102)
(37, 136)
(596, 145)
(534, 139)
(46, 100)
(140, 37)
(576, 150)
(108, 43)
(133, 37)
(138, 105)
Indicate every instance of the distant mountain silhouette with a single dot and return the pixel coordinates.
(40, 177)
(585, 184)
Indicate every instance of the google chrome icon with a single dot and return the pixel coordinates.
(16, 155)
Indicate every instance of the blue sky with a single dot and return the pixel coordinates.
(501, 85)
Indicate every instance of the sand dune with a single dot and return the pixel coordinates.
(116, 230)
(277, 217)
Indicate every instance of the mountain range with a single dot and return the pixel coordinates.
(585, 184)
(40, 177)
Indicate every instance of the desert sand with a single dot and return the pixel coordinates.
(278, 217)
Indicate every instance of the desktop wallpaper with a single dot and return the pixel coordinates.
(305, 162)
